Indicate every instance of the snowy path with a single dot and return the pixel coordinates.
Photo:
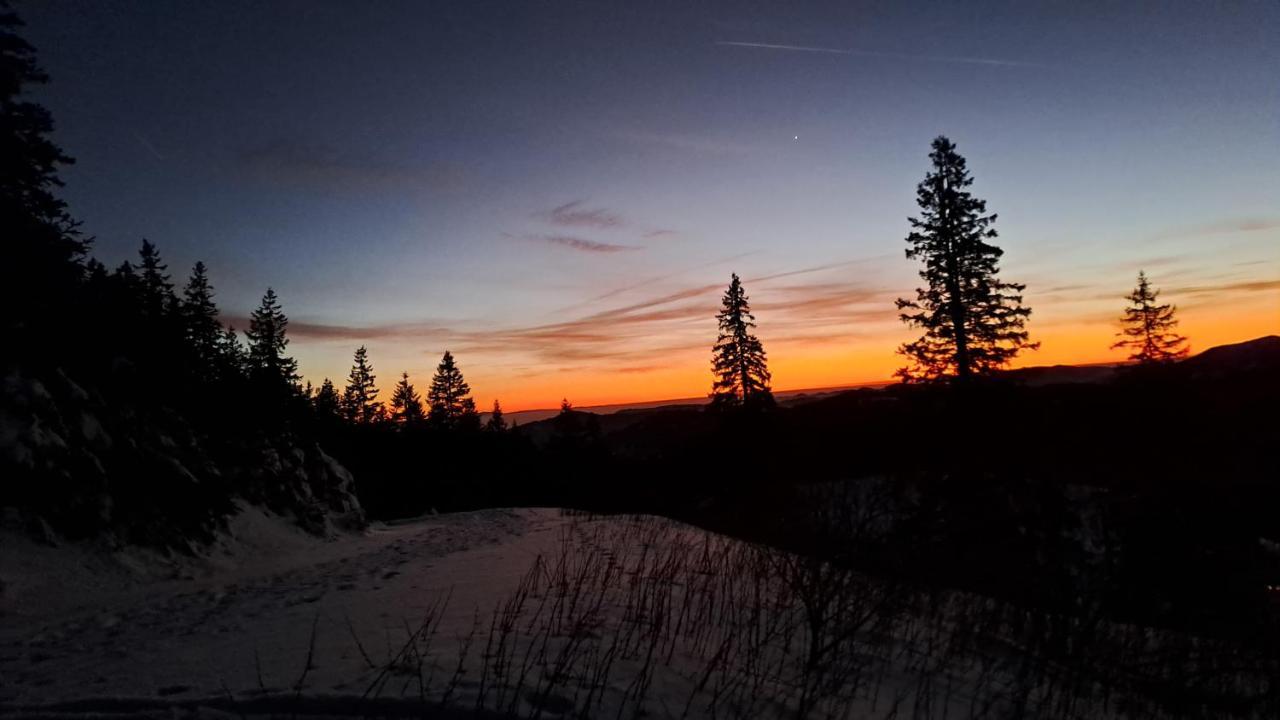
(527, 612)
(201, 637)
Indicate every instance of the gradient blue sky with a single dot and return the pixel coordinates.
(557, 191)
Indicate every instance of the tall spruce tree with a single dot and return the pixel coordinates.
(406, 404)
(42, 247)
(449, 396)
(202, 331)
(326, 402)
(738, 358)
(158, 299)
(157, 341)
(233, 360)
(267, 343)
(360, 398)
(973, 322)
(1149, 328)
(125, 288)
(497, 422)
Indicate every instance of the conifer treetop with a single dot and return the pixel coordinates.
(201, 328)
(1149, 328)
(497, 422)
(406, 403)
(326, 402)
(360, 398)
(30, 210)
(268, 340)
(738, 358)
(449, 398)
(157, 289)
(973, 322)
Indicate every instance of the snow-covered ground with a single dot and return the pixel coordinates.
(531, 612)
(78, 623)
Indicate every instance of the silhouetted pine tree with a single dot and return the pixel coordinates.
(233, 360)
(448, 398)
(267, 343)
(973, 322)
(1149, 328)
(158, 299)
(496, 423)
(127, 275)
(42, 247)
(156, 341)
(573, 431)
(125, 290)
(738, 359)
(360, 399)
(95, 273)
(326, 402)
(406, 404)
(202, 331)
(124, 297)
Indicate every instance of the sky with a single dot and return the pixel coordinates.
(558, 192)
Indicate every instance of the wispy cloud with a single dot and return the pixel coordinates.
(1076, 287)
(574, 214)
(818, 268)
(292, 162)
(577, 214)
(322, 331)
(1202, 289)
(1243, 286)
(685, 319)
(637, 369)
(671, 323)
(652, 281)
(879, 54)
(582, 244)
(688, 143)
(1221, 227)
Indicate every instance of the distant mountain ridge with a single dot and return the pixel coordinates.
(785, 397)
(1244, 357)
(1221, 360)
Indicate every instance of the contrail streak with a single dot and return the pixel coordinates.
(650, 281)
(798, 48)
(144, 142)
(875, 53)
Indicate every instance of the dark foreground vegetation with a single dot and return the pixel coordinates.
(1092, 504)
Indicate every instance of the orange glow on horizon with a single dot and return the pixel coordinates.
(1081, 337)
(861, 362)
